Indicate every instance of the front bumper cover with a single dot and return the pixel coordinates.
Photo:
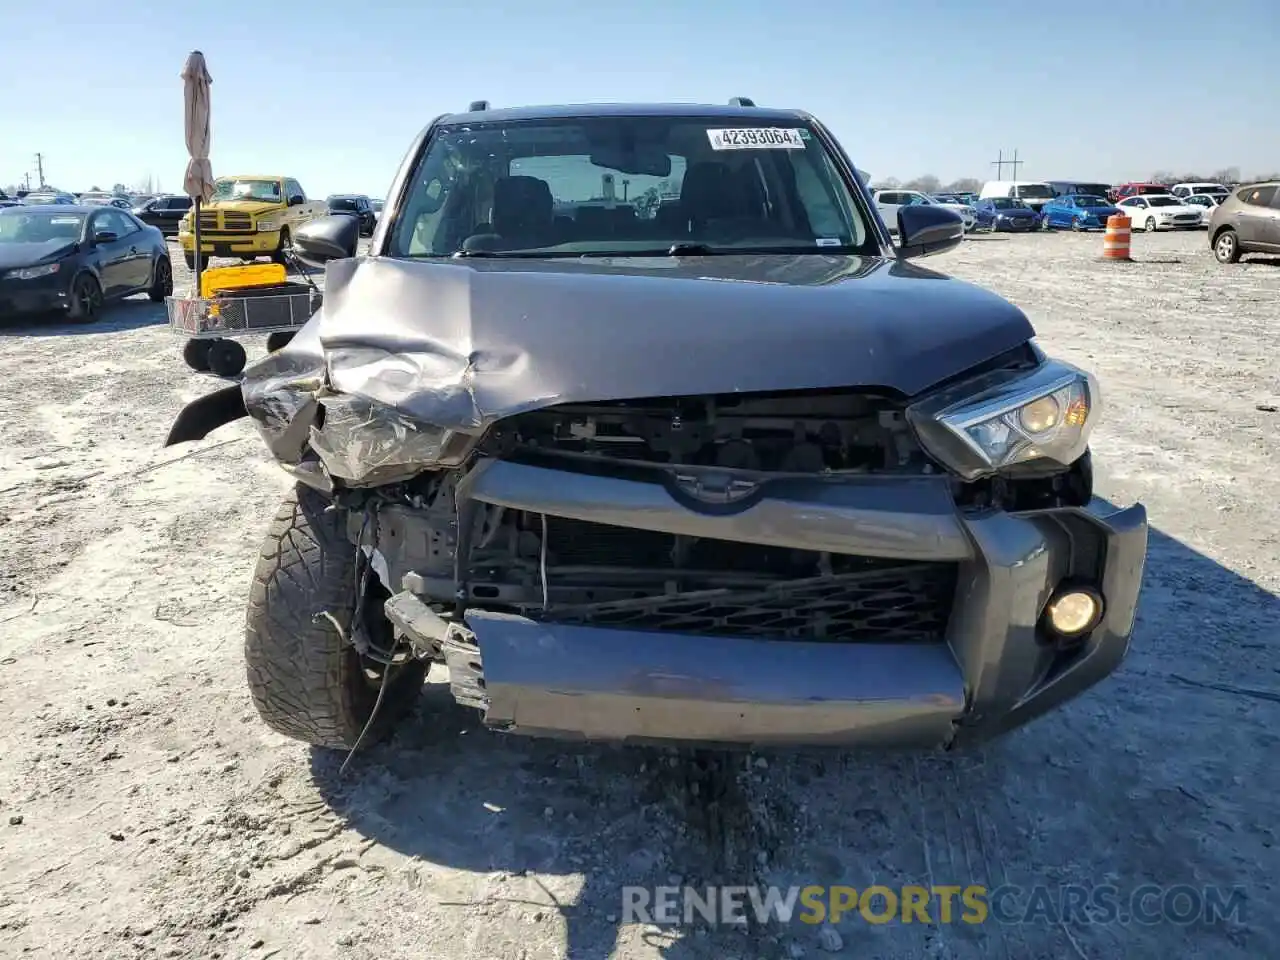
(231, 244)
(42, 295)
(994, 670)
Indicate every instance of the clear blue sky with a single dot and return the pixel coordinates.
(333, 92)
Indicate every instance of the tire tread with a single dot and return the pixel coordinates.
(305, 679)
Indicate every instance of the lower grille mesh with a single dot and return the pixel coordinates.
(865, 600)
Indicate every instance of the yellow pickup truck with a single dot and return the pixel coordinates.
(249, 217)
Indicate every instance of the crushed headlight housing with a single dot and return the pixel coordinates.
(33, 273)
(267, 224)
(1010, 419)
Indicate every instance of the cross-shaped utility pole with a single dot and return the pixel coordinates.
(1000, 163)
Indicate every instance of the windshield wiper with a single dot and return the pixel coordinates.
(687, 249)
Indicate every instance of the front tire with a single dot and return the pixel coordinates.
(280, 255)
(1226, 247)
(161, 281)
(305, 679)
(86, 299)
(1150, 226)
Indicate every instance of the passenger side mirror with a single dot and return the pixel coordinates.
(105, 236)
(927, 229)
(333, 237)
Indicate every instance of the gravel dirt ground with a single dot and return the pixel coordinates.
(145, 811)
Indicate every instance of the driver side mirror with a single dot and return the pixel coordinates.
(333, 237)
(296, 200)
(105, 236)
(928, 229)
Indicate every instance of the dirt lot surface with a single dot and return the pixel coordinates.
(145, 811)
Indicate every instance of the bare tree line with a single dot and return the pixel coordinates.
(931, 184)
(147, 185)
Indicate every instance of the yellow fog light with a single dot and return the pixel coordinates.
(1040, 415)
(1074, 611)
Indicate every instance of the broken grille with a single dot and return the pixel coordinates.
(905, 603)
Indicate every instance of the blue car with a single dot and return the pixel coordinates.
(1078, 211)
(1005, 213)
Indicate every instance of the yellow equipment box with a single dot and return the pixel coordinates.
(236, 278)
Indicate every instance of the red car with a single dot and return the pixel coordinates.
(1123, 190)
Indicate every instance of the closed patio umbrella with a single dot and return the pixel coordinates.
(199, 178)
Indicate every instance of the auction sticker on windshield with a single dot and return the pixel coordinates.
(756, 138)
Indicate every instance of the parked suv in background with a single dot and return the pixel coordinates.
(163, 213)
(1247, 221)
(1082, 188)
(1136, 190)
(358, 206)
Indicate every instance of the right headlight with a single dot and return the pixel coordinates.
(1010, 419)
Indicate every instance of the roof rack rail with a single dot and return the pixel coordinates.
(477, 106)
(741, 102)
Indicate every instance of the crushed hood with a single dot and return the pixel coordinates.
(460, 344)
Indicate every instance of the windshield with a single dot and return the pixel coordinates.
(1085, 200)
(1164, 201)
(1035, 191)
(237, 189)
(35, 198)
(1007, 203)
(1210, 191)
(342, 203)
(625, 186)
(18, 225)
(1151, 188)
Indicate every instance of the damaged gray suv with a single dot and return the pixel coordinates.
(636, 419)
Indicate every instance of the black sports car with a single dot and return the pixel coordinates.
(73, 259)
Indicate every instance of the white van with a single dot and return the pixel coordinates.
(1034, 193)
(1185, 190)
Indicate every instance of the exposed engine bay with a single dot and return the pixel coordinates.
(459, 552)
(797, 432)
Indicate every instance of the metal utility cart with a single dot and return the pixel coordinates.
(234, 301)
